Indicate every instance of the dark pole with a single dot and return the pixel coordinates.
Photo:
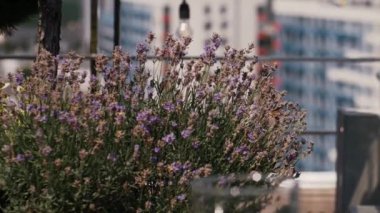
(94, 33)
(116, 23)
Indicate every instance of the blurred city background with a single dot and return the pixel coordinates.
(326, 49)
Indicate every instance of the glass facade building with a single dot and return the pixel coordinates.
(322, 88)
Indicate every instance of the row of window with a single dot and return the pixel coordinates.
(207, 9)
(135, 12)
(331, 25)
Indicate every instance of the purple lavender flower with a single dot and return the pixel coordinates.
(72, 120)
(41, 118)
(240, 111)
(217, 96)
(42, 108)
(173, 124)
(95, 110)
(20, 158)
(149, 92)
(63, 116)
(95, 104)
(153, 120)
(153, 159)
(186, 133)
(214, 127)
(46, 151)
(30, 107)
(292, 155)
(209, 49)
(127, 95)
(78, 97)
(120, 108)
(21, 105)
(93, 79)
(208, 57)
(170, 138)
(113, 106)
(54, 113)
(196, 144)
(143, 116)
(156, 149)
(200, 94)
(11, 103)
(179, 102)
(186, 165)
(146, 129)
(106, 72)
(222, 181)
(177, 166)
(216, 40)
(233, 81)
(95, 115)
(181, 197)
(119, 119)
(243, 150)
(44, 96)
(251, 137)
(142, 48)
(169, 106)
(19, 78)
(112, 157)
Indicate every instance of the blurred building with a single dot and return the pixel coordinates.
(366, 3)
(327, 30)
(235, 21)
(268, 29)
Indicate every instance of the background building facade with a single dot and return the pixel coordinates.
(321, 29)
(233, 20)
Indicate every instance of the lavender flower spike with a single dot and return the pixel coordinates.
(169, 139)
(20, 158)
(46, 151)
(186, 133)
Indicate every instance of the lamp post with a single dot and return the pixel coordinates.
(184, 29)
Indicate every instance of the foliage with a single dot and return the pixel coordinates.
(15, 12)
(142, 132)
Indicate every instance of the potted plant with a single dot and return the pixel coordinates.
(136, 138)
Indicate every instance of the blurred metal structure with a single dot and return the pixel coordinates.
(260, 59)
(358, 163)
(116, 23)
(94, 33)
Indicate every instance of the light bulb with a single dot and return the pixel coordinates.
(184, 29)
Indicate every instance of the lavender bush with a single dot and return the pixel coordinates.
(142, 132)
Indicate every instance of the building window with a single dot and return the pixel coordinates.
(224, 25)
(207, 10)
(223, 9)
(208, 25)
